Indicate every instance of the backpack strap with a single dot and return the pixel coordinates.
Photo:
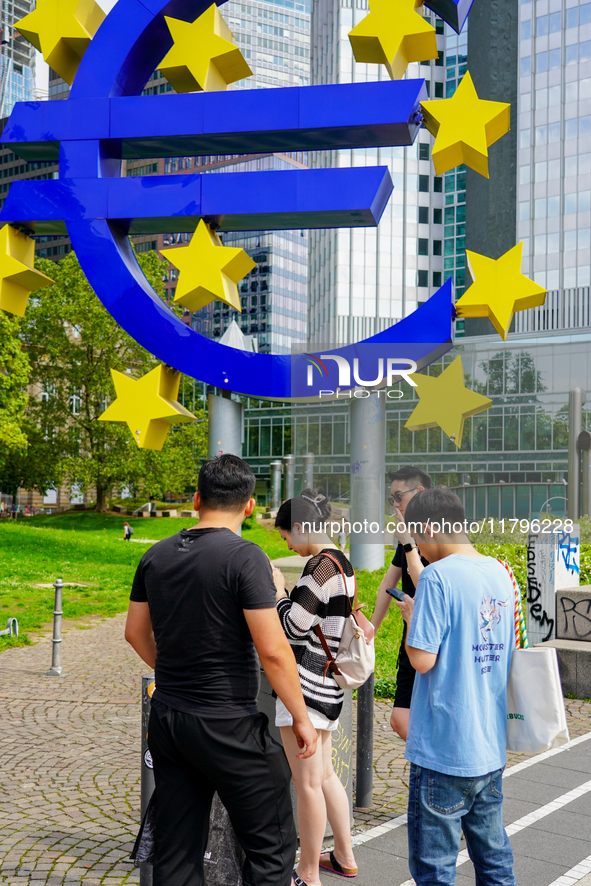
(331, 665)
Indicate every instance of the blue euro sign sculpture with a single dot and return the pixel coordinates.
(105, 119)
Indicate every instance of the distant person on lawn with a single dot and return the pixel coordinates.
(457, 735)
(127, 532)
(202, 602)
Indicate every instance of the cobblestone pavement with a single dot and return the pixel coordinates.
(70, 763)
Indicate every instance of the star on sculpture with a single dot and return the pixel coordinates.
(148, 405)
(446, 402)
(18, 277)
(203, 56)
(393, 34)
(499, 289)
(464, 127)
(208, 270)
(62, 31)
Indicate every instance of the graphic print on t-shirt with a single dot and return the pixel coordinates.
(489, 616)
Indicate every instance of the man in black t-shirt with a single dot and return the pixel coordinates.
(202, 602)
(406, 568)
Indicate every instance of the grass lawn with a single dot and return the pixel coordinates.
(87, 550)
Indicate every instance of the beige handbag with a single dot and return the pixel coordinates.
(356, 658)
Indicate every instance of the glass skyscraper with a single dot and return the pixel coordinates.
(17, 58)
(363, 280)
(554, 150)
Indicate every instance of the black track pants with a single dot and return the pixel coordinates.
(193, 758)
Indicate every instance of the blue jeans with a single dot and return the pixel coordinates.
(439, 808)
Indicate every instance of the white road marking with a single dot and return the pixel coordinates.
(567, 879)
(576, 874)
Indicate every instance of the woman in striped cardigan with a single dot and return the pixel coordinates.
(321, 597)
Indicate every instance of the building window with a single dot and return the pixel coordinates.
(438, 184)
(437, 278)
(423, 151)
(439, 90)
(424, 183)
(437, 216)
(424, 215)
(423, 247)
(422, 278)
(436, 247)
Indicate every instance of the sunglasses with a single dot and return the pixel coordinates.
(397, 497)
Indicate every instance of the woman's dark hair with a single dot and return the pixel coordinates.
(311, 507)
(225, 483)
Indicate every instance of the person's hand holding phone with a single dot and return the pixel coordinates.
(404, 603)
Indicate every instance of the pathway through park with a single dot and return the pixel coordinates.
(69, 778)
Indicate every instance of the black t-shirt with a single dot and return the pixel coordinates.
(406, 581)
(197, 584)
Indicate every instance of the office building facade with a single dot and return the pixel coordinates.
(17, 58)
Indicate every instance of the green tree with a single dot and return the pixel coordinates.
(73, 343)
(14, 378)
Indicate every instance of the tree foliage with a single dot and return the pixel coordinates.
(14, 378)
(72, 343)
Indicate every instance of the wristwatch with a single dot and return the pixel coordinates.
(409, 547)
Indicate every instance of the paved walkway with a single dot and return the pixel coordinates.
(70, 763)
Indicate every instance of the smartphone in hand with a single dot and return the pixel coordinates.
(394, 592)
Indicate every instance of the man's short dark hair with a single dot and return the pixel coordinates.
(225, 483)
(411, 476)
(435, 505)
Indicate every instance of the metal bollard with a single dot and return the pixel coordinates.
(11, 629)
(364, 785)
(147, 776)
(56, 652)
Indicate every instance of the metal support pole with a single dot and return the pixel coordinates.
(584, 447)
(364, 783)
(226, 426)
(276, 468)
(147, 776)
(289, 466)
(308, 461)
(56, 652)
(576, 399)
(367, 421)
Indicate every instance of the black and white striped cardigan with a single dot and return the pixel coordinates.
(319, 598)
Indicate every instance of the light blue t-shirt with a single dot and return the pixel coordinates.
(464, 612)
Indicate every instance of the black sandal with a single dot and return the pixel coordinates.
(334, 866)
(297, 880)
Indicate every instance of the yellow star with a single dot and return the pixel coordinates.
(148, 405)
(446, 402)
(208, 270)
(18, 277)
(393, 34)
(62, 31)
(499, 289)
(203, 56)
(464, 127)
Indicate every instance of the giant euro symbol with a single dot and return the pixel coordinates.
(105, 119)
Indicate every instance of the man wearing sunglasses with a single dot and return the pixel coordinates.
(406, 566)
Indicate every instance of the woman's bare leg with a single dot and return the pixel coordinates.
(337, 806)
(308, 780)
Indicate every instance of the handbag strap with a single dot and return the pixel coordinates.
(521, 641)
(331, 664)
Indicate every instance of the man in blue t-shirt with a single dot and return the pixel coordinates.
(459, 640)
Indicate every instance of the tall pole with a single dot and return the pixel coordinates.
(276, 469)
(226, 425)
(308, 462)
(289, 468)
(584, 447)
(576, 399)
(367, 422)
(364, 781)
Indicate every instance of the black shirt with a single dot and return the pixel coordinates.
(197, 584)
(406, 581)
